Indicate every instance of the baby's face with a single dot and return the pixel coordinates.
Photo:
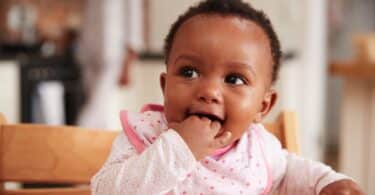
(219, 68)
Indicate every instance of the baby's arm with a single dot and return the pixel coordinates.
(296, 175)
(156, 170)
(293, 174)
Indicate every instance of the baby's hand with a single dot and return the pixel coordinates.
(342, 187)
(201, 135)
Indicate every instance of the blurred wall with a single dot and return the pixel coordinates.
(162, 14)
(9, 89)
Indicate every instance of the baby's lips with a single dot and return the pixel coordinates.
(210, 115)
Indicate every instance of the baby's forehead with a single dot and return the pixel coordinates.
(228, 36)
(203, 27)
(230, 21)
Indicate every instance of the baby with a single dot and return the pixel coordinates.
(222, 58)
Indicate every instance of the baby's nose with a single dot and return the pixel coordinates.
(210, 92)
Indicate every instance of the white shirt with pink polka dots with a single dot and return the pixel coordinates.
(149, 158)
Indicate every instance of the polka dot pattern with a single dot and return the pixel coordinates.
(242, 169)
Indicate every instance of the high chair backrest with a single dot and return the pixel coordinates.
(32, 153)
(285, 129)
(51, 154)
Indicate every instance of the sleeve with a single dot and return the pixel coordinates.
(294, 175)
(156, 170)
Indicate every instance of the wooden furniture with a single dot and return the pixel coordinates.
(357, 122)
(32, 153)
(51, 154)
(285, 129)
(352, 70)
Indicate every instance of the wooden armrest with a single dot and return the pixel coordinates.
(50, 191)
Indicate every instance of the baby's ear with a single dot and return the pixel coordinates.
(162, 81)
(268, 102)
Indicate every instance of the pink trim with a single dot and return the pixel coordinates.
(139, 144)
(222, 151)
(152, 107)
(129, 131)
(269, 172)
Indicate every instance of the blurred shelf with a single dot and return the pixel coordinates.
(352, 69)
(357, 124)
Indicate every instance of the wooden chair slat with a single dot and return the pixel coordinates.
(50, 191)
(2, 119)
(59, 154)
(285, 129)
(291, 137)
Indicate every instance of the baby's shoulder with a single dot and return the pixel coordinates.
(271, 146)
(260, 132)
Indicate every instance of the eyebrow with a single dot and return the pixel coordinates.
(233, 64)
(236, 64)
(187, 57)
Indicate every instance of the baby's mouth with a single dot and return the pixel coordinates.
(209, 116)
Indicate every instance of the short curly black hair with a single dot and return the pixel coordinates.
(232, 8)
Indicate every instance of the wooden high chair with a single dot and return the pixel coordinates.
(32, 153)
(285, 129)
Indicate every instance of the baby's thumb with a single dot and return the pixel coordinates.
(223, 139)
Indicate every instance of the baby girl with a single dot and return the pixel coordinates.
(222, 59)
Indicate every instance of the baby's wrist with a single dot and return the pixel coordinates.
(342, 187)
(196, 154)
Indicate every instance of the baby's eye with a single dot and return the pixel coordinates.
(235, 80)
(189, 72)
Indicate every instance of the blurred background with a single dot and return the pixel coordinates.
(79, 62)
